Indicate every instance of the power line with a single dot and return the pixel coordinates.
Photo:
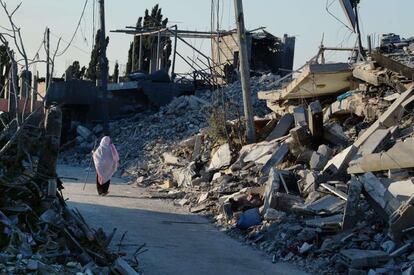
(76, 30)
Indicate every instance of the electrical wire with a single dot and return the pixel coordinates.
(328, 5)
(76, 30)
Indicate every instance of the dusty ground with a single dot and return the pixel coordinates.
(177, 241)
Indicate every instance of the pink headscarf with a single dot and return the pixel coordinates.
(106, 159)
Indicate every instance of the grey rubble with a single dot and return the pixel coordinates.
(332, 179)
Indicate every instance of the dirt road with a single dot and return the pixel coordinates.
(177, 242)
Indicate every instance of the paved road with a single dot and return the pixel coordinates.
(177, 242)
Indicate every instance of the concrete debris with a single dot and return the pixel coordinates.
(401, 155)
(221, 158)
(328, 182)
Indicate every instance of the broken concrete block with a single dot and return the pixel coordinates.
(221, 158)
(339, 163)
(273, 215)
(315, 115)
(375, 142)
(299, 115)
(397, 174)
(84, 132)
(259, 150)
(402, 219)
(185, 175)
(282, 128)
(320, 158)
(335, 135)
(327, 205)
(301, 136)
(401, 155)
(311, 182)
(277, 157)
(374, 189)
(170, 159)
(356, 258)
(389, 118)
(272, 186)
(284, 202)
(366, 72)
(351, 207)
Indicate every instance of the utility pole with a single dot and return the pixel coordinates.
(175, 52)
(360, 48)
(158, 50)
(47, 58)
(245, 72)
(140, 62)
(104, 68)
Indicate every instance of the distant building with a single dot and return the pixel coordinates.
(267, 53)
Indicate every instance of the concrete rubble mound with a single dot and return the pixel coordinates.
(329, 183)
(39, 232)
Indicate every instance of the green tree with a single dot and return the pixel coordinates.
(93, 71)
(154, 20)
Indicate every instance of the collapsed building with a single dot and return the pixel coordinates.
(327, 186)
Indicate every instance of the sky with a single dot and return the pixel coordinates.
(308, 20)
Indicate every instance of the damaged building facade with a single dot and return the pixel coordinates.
(267, 53)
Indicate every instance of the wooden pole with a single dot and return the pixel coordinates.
(104, 68)
(245, 72)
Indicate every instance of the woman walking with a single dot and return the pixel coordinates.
(106, 161)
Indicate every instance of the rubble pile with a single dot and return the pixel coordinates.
(328, 185)
(141, 139)
(39, 233)
(399, 49)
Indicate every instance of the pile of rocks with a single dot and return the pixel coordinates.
(328, 186)
(142, 138)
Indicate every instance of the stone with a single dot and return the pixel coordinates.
(397, 174)
(320, 158)
(282, 128)
(299, 115)
(357, 258)
(375, 142)
(185, 175)
(170, 159)
(221, 158)
(339, 162)
(255, 152)
(315, 116)
(301, 136)
(203, 197)
(335, 135)
(351, 207)
(277, 157)
(273, 215)
(272, 186)
(84, 132)
(98, 129)
(401, 155)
